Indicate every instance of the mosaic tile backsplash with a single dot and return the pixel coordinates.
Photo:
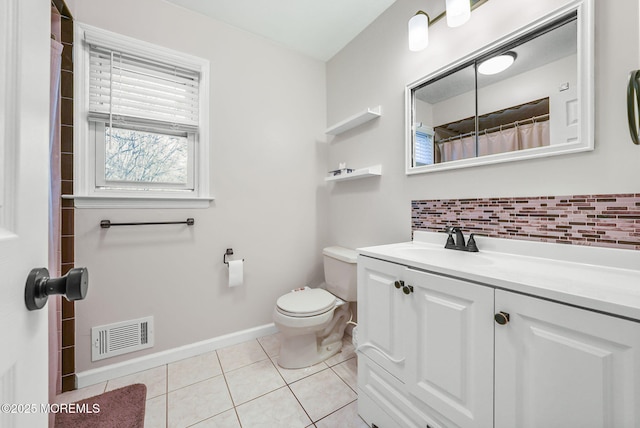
(611, 220)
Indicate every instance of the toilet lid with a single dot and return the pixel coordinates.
(306, 302)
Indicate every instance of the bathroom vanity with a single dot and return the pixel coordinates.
(520, 334)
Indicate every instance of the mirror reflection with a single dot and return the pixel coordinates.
(526, 102)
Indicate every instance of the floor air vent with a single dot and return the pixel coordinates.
(121, 338)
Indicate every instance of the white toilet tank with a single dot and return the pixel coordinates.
(340, 270)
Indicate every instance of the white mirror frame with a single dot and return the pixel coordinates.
(585, 68)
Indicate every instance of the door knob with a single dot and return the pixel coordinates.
(399, 284)
(40, 286)
(501, 318)
(408, 289)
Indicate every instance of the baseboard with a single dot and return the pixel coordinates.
(124, 368)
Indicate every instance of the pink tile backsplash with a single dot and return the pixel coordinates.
(610, 220)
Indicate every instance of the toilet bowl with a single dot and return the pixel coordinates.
(312, 320)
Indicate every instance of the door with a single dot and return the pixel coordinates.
(24, 130)
(560, 366)
(382, 308)
(450, 354)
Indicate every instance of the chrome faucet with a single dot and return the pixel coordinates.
(458, 243)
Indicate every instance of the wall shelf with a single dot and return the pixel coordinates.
(371, 171)
(355, 120)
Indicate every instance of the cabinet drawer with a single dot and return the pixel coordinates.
(373, 414)
(377, 389)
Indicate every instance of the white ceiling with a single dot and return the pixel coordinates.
(317, 28)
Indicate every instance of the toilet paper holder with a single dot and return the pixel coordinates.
(229, 252)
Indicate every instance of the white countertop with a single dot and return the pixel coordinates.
(602, 279)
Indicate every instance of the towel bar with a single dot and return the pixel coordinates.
(106, 224)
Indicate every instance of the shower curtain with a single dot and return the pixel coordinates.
(505, 140)
(55, 372)
(518, 137)
(460, 148)
(534, 134)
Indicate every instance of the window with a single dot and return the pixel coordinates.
(142, 123)
(424, 146)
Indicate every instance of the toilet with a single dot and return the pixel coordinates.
(312, 320)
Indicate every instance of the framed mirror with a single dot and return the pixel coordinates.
(539, 104)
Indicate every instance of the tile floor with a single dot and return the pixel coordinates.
(243, 386)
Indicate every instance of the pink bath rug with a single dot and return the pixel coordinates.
(120, 408)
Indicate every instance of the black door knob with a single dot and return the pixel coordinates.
(399, 284)
(408, 289)
(501, 318)
(39, 286)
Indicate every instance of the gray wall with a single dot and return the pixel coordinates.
(374, 70)
(267, 108)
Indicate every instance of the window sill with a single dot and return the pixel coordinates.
(138, 202)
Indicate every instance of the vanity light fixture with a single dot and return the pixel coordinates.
(418, 31)
(458, 12)
(497, 64)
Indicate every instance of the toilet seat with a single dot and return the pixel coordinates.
(307, 302)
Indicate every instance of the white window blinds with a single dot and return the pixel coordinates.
(423, 149)
(126, 88)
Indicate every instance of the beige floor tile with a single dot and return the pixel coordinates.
(347, 417)
(276, 409)
(252, 381)
(201, 397)
(243, 354)
(271, 344)
(348, 372)
(155, 413)
(191, 370)
(293, 375)
(155, 379)
(81, 394)
(322, 393)
(197, 402)
(228, 419)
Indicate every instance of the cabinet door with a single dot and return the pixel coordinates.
(560, 366)
(381, 314)
(450, 356)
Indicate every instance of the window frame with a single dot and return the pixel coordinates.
(88, 192)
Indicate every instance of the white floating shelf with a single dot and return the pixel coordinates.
(355, 120)
(371, 171)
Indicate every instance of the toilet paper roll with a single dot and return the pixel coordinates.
(236, 273)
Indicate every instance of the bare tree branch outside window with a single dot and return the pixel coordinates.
(138, 156)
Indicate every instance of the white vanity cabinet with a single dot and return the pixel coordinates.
(430, 333)
(431, 353)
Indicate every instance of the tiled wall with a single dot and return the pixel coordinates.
(611, 220)
(67, 226)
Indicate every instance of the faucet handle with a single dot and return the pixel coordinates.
(471, 244)
(450, 242)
